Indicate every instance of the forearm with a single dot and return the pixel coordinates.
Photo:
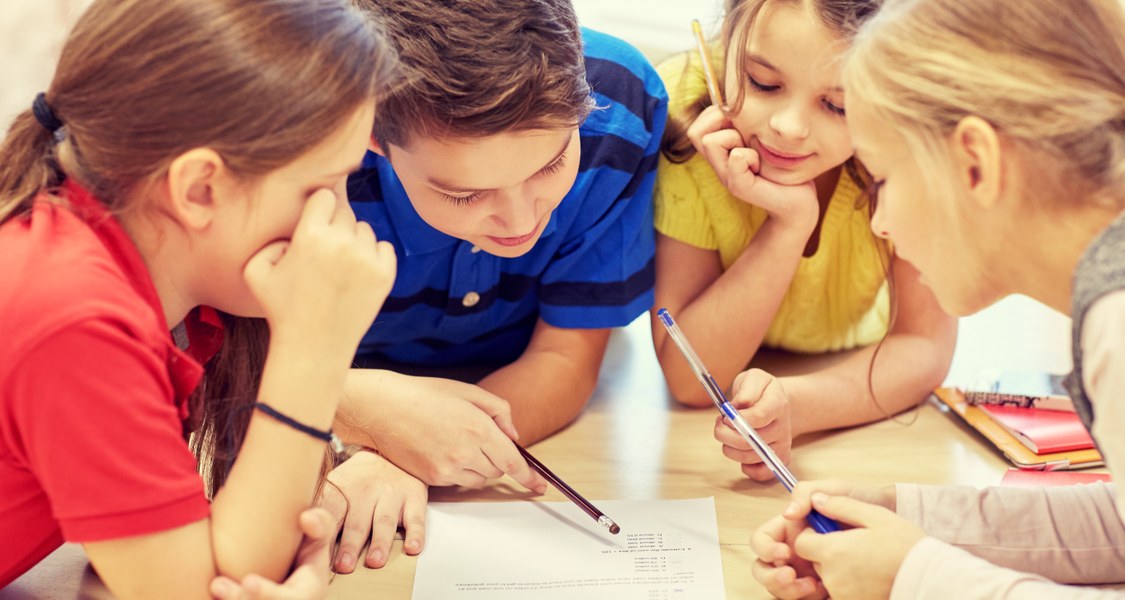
(727, 322)
(546, 390)
(907, 368)
(254, 516)
(1076, 536)
(357, 418)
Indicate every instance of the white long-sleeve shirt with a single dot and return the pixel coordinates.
(1016, 543)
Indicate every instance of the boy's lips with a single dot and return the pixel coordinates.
(517, 240)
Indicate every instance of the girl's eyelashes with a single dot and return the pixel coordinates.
(761, 87)
(873, 190)
(832, 108)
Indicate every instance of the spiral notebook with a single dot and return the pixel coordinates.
(1025, 389)
(954, 402)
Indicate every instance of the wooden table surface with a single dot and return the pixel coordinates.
(633, 443)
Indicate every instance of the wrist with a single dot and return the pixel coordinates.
(791, 387)
(793, 228)
(303, 383)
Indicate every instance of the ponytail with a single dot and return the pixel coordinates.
(28, 165)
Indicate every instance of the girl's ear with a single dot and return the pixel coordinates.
(193, 184)
(977, 155)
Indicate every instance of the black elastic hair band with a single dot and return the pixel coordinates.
(44, 114)
(326, 436)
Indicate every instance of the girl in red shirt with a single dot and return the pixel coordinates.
(138, 197)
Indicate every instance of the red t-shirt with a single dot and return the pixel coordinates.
(93, 391)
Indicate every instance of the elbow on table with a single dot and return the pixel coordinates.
(689, 394)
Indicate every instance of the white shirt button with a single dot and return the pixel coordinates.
(470, 300)
(474, 249)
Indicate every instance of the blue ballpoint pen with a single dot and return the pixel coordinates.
(818, 521)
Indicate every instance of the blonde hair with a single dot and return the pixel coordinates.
(1048, 75)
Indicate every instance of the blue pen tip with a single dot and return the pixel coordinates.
(664, 317)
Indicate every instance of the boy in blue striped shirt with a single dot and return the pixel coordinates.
(512, 169)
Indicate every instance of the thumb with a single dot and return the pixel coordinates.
(317, 523)
(749, 387)
(848, 510)
(257, 269)
(742, 161)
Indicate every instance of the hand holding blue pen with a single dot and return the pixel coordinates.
(818, 521)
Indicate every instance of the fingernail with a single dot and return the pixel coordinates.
(412, 545)
(790, 510)
(818, 499)
(345, 562)
(220, 588)
(375, 559)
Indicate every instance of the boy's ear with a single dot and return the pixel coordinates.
(977, 154)
(374, 146)
(193, 181)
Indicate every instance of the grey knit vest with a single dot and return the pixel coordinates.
(1101, 271)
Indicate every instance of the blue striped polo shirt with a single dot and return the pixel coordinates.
(591, 268)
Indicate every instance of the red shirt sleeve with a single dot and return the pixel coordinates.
(99, 429)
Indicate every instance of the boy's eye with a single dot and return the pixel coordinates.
(461, 200)
(761, 87)
(554, 167)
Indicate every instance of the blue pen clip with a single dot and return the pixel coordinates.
(819, 522)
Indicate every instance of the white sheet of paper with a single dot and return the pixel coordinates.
(667, 550)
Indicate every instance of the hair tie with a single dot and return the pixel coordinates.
(45, 115)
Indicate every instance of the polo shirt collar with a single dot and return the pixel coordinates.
(203, 326)
(415, 235)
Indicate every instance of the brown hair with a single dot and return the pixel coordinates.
(140, 82)
(475, 68)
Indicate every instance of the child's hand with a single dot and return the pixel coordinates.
(860, 562)
(309, 579)
(737, 167)
(778, 568)
(324, 287)
(442, 431)
(764, 404)
(370, 497)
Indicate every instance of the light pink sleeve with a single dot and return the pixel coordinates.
(1103, 374)
(934, 569)
(1070, 534)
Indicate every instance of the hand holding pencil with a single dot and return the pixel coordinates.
(569, 492)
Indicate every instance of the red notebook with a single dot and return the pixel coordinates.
(1042, 431)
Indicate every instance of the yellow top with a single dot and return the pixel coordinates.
(838, 298)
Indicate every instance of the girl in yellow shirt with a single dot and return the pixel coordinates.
(764, 236)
